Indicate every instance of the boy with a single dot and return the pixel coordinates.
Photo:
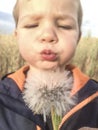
(47, 32)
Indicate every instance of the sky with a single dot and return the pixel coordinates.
(90, 14)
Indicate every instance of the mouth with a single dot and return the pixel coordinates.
(48, 55)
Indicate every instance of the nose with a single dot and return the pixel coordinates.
(48, 35)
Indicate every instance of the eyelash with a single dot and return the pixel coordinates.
(31, 26)
(67, 27)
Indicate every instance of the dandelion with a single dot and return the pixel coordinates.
(48, 93)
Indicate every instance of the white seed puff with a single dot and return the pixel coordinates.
(49, 89)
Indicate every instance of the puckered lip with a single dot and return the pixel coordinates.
(48, 55)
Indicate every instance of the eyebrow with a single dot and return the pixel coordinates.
(64, 17)
(37, 17)
(31, 16)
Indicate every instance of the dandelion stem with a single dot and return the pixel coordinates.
(56, 119)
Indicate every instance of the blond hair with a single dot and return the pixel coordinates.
(16, 13)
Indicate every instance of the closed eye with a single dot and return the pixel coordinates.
(67, 27)
(31, 26)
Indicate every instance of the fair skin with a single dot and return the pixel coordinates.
(47, 34)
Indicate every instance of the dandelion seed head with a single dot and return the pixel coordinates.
(49, 89)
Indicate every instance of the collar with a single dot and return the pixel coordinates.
(80, 79)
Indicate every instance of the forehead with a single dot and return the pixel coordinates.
(47, 6)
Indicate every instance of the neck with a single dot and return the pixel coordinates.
(33, 71)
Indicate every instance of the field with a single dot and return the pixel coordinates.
(86, 57)
(10, 59)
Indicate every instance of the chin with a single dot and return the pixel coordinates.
(49, 66)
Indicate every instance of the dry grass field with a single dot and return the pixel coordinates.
(10, 59)
(86, 57)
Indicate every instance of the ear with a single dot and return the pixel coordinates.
(15, 33)
(79, 37)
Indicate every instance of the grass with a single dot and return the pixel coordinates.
(10, 59)
(86, 57)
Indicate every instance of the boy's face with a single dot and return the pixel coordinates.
(48, 32)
